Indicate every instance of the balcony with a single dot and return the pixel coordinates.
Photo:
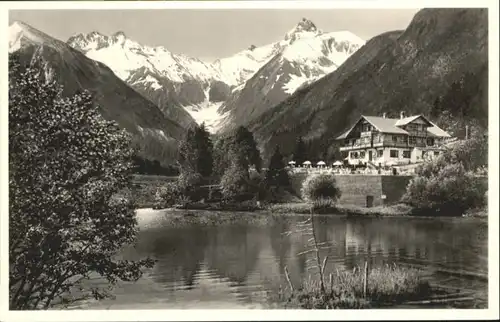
(355, 146)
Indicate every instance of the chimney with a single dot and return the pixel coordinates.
(384, 115)
(401, 114)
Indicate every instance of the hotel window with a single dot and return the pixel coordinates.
(394, 138)
(430, 141)
(380, 153)
(413, 140)
(406, 154)
(362, 154)
(394, 154)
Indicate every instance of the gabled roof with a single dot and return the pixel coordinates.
(385, 125)
(391, 126)
(409, 119)
(343, 135)
(437, 131)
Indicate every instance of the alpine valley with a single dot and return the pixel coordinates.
(309, 84)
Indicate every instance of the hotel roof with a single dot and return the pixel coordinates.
(392, 126)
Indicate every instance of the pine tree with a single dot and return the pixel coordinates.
(240, 143)
(277, 175)
(235, 180)
(300, 153)
(246, 147)
(196, 151)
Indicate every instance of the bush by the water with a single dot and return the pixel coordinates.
(320, 187)
(166, 195)
(450, 184)
(386, 285)
(188, 185)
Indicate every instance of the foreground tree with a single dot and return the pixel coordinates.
(66, 164)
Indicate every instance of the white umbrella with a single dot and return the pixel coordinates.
(307, 162)
(321, 163)
(338, 163)
(291, 162)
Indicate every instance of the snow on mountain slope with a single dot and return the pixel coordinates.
(182, 86)
(306, 54)
(124, 56)
(75, 72)
(241, 66)
(208, 114)
(22, 34)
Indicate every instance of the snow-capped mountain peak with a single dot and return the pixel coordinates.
(304, 29)
(21, 34)
(274, 70)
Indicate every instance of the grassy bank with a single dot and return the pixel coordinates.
(145, 187)
(182, 218)
(384, 286)
(338, 209)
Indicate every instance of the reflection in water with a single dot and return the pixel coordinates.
(233, 251)
(239, 263)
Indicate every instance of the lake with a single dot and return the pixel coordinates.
(241, 264)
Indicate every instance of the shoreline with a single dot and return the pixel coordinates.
(213, 216)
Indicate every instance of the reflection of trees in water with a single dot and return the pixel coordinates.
(233, 251)
(280, 242)
(179, 253)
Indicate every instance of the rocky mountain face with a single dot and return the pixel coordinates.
(229, 91)
(76, 72)
(436, 64)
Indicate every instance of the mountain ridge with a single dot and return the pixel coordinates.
(76, 72)
(184, 86)
(409, 70)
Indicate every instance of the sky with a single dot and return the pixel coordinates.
(211, 33)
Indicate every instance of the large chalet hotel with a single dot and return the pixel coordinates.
(392, 141)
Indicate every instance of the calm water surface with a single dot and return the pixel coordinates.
(238, 265)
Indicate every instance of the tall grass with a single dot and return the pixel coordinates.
(386, 285)
(360, 288)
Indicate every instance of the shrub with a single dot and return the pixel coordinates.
(320, 186)
(166, 195)
(188, 185)
(445, 190)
